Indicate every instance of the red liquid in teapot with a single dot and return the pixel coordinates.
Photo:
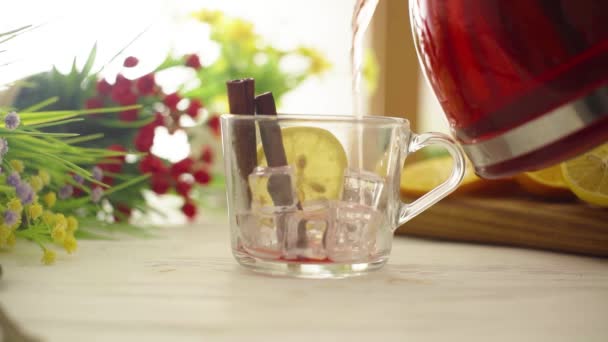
(497, 64)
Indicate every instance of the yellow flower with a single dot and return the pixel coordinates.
(5, 232)
(46, 178)
(10, 241)
(72, 224)
(60, 221)
(48, 257)
(48, 217)
(35, 211)
(15, 205)
(50, 199)
(239, 31)
(70, 244)
(36, 183)
(17, 165)
(17, 223)
(58, 234)
(60, 225)
(208, 16)
(318, 63)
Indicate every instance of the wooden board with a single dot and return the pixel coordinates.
(517, 221)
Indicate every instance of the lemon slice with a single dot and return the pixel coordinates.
(423, 176)
(546, 182)
(318, 160)
(587, 176)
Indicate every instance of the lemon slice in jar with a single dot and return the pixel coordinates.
(318, 160)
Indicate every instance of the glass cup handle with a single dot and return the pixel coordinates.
(418, 141)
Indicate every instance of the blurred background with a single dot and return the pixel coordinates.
(69, 28)
(172, 58)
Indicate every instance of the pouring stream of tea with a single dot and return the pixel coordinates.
(362, 16)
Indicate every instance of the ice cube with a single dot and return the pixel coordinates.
(352, 237)
(273, 188)
(261, 232)
(306, 230)
(362, 187)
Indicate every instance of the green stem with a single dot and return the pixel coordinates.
(126, 184)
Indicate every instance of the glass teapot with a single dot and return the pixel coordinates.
(523, 83)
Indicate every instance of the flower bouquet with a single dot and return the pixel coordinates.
(99, 171)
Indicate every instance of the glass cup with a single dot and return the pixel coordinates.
(332, 210)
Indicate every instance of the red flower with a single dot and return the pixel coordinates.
(183, 188)
(145, 138)
(194, 107)
(77, 192)
(172, 100)
(189, 210)
(128, 115)
(114, 163)
(106, 180)
(207, 155)
(181, 167)
(130, 62)
(113, 166)
(123, 209)
(202, 177)
(160, 183)
(193, 61)
(152, 164)
(122, 92)
(159, 120)
(122, 81)
(93, 102)
(214, 124)
(126, 99)
(145, 85)
(103, 87)
(123, 96)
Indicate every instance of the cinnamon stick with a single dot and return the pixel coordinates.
(279, 186)
(241, 101)
(270, 132)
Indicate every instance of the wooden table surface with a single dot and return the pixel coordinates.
(185, 286)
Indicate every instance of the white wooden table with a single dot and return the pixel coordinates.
(185, 286)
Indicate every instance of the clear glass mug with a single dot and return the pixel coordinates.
(331, 212)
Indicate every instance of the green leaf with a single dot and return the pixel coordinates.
(126, 184)
(55, 123)
(6, 132)
(68, 164)
(22, 28)
(125, 124)
(5, 189)
(90, 61)
(84, 138)
(44, 117)
(40, 105)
